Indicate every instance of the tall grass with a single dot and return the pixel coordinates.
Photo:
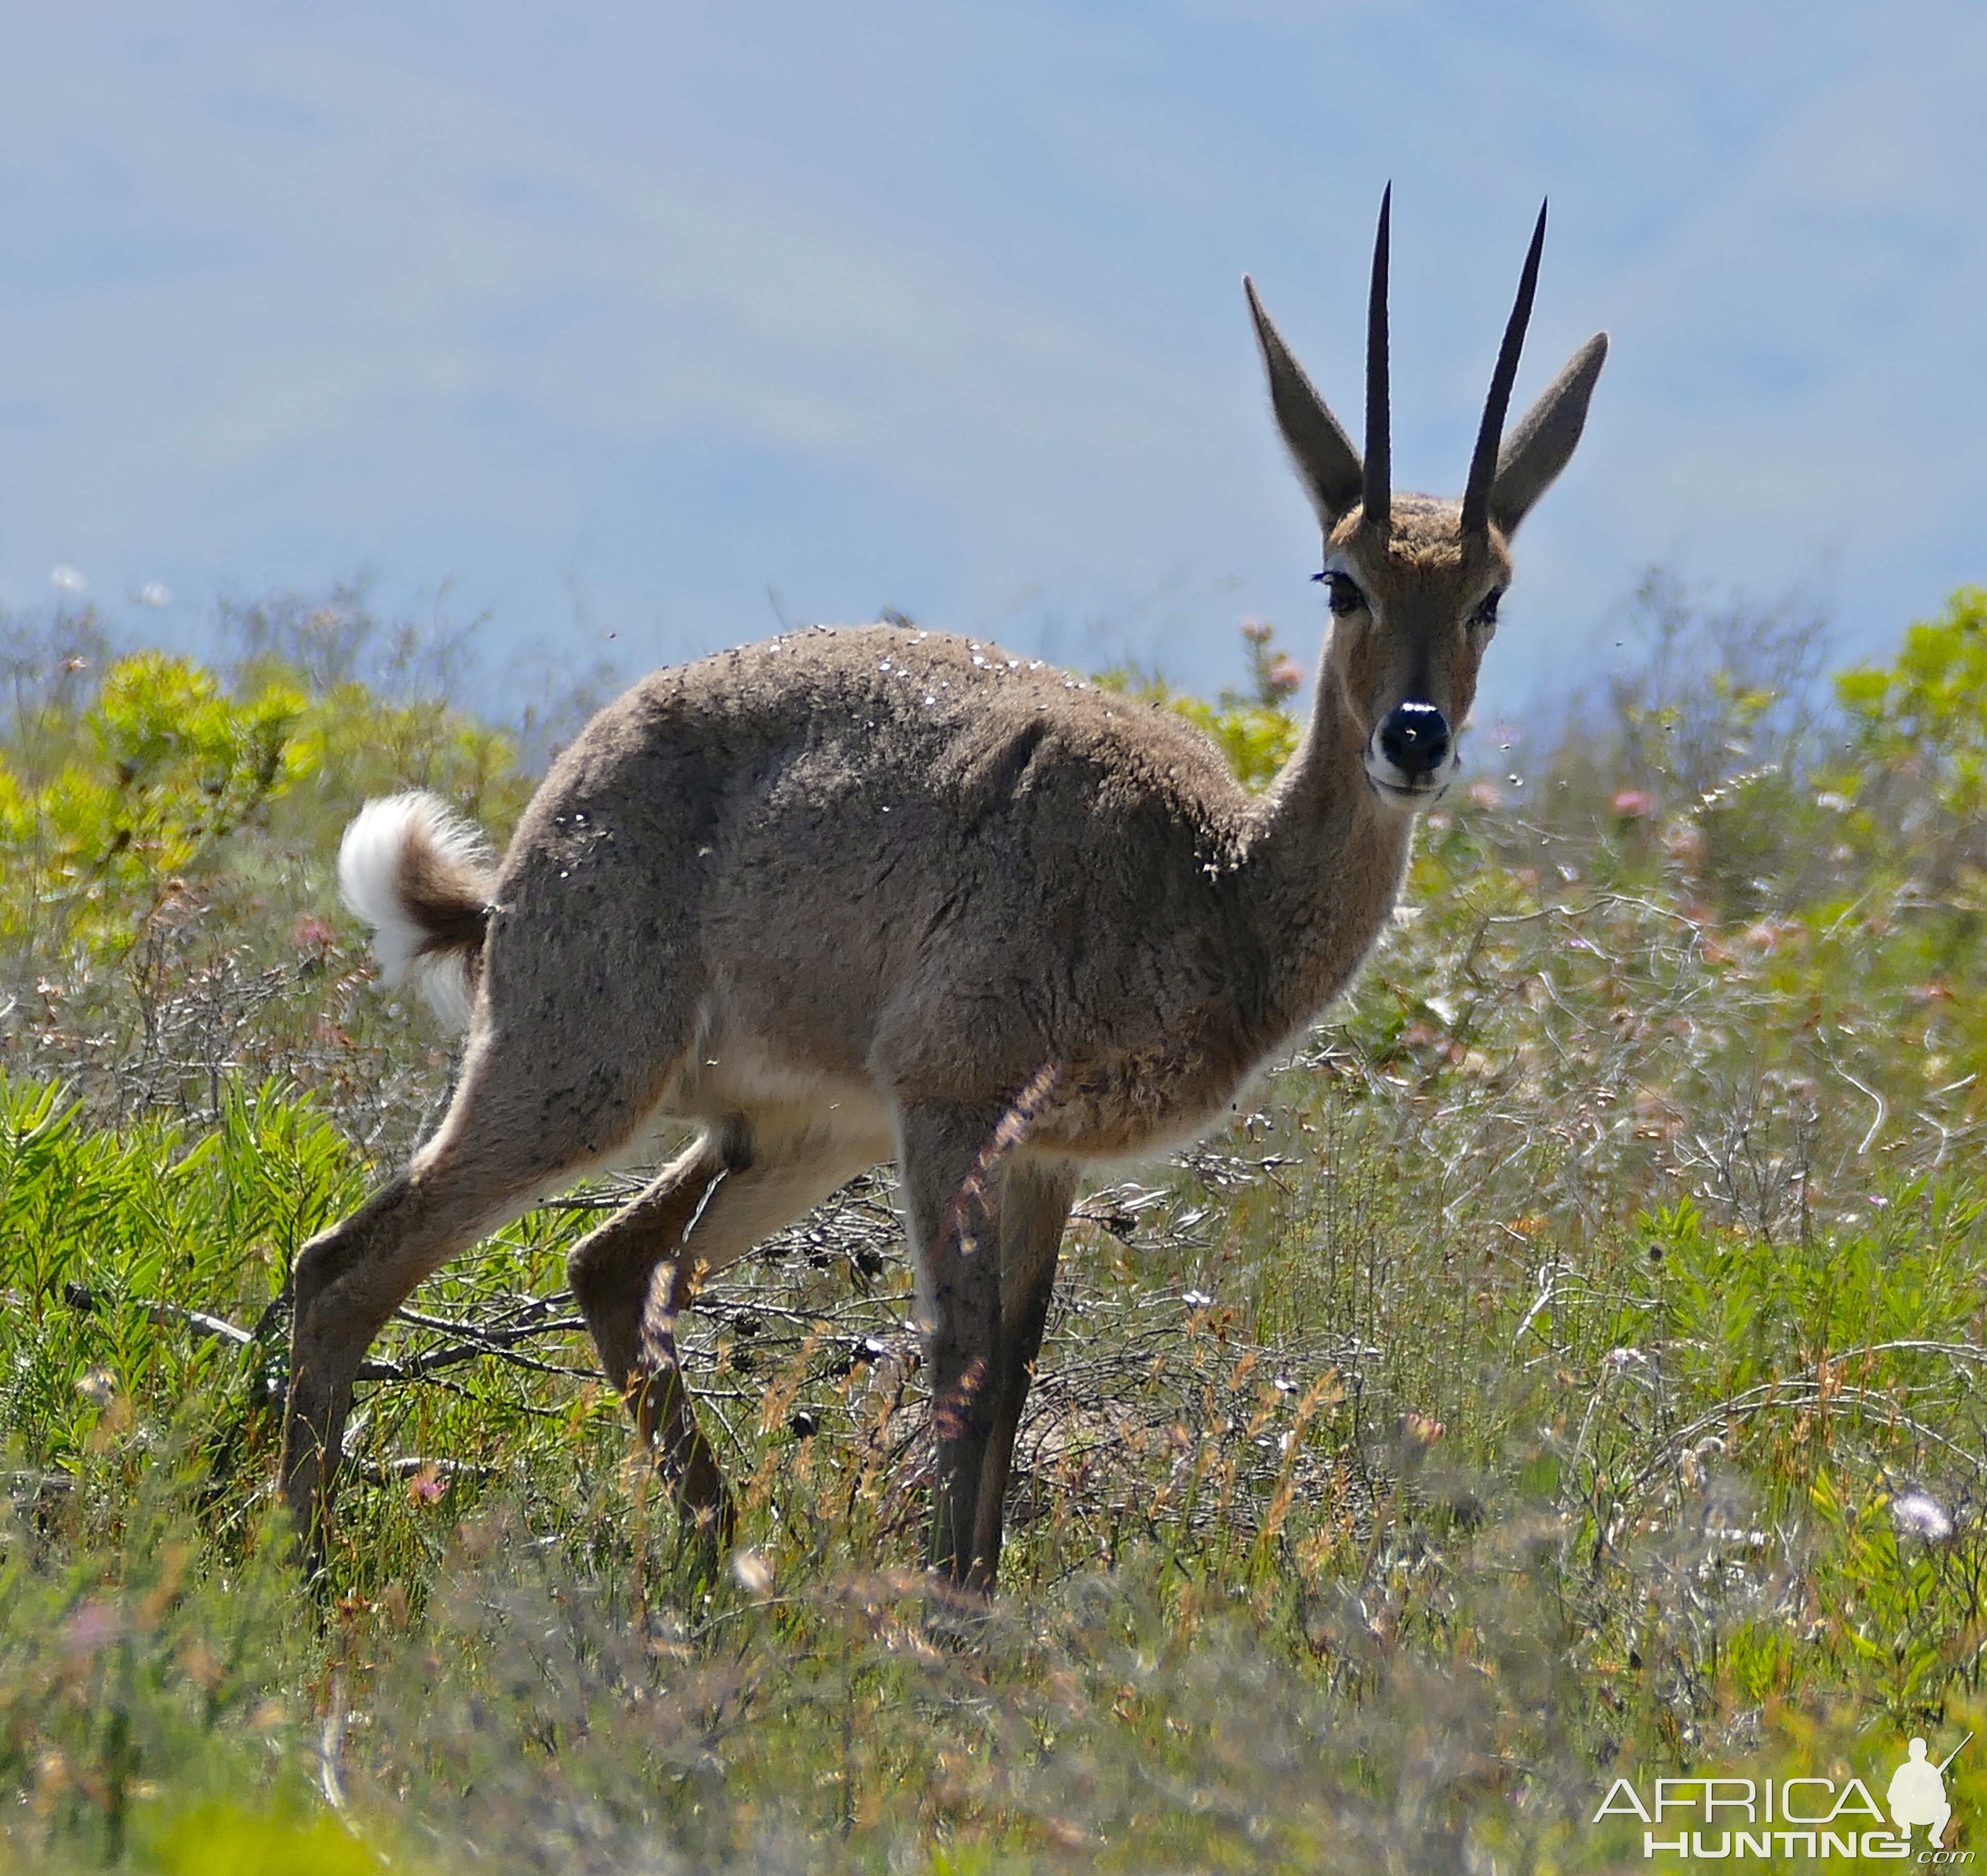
(1567, 1368)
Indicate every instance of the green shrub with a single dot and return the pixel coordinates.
(1568, 1365)
(1254, 728)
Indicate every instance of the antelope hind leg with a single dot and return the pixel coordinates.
(635, 1274)
(347, 1282)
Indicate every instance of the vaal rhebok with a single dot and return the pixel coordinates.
(878, 894)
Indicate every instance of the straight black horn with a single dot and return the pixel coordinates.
(1376, 488)
(1490, 436)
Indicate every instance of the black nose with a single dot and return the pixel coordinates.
(1414, 739)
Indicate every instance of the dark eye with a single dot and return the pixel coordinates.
(1342, 593)
(1487, 613)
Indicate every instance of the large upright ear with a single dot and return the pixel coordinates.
(1324, 455)
(1541, 446)
(1538, 449)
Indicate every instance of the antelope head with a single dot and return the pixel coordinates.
(1413, 583)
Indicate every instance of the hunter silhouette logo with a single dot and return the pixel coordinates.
(1917, 1794)
(1712, 1816)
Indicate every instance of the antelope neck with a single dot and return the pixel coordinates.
(1323, 862)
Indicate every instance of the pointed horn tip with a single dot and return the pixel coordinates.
(1267, 337)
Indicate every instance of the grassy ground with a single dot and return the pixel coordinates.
(1568, 1369)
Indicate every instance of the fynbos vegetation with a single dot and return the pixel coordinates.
(1567, 1368)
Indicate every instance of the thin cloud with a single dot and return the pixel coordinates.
(665, 306)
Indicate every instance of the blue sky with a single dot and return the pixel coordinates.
(607, 319)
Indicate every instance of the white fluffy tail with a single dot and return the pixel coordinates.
(421, 876)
